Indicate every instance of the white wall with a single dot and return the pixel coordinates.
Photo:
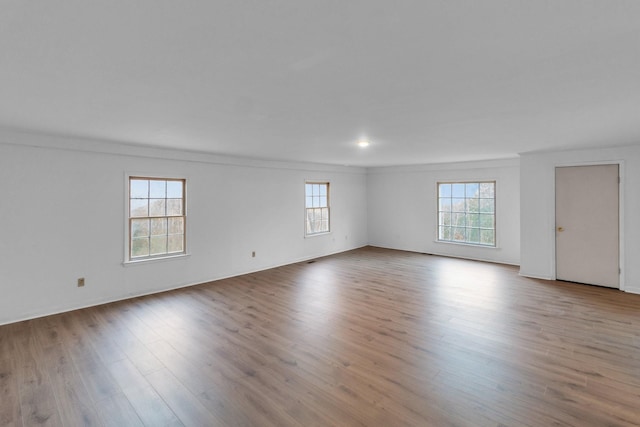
(402, 208)
(62, 216)
(538, 209)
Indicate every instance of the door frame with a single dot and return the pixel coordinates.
(621, 234)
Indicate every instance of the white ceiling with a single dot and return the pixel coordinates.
(426, 81)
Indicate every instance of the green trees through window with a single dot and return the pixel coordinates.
(466, 212)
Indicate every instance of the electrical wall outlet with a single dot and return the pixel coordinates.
(81, 282)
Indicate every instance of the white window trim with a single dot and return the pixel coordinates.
(304, 205)
(160, 258)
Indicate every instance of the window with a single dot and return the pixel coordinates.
(316, 208)
(466, 212)
(156, 217)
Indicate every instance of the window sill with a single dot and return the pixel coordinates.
(473, 245)
(153, 260)
(308, 236)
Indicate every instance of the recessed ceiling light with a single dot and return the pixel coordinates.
(363, 143)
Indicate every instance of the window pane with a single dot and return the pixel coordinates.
(174, 189)
(445, 233)
(308, 202)
(158, 245)
(487, 189)
(459, 234)
(486, 221)
(487, 237)
(157, 207)
(323, 201)
(445, 218)
(317, 220)
(139, 207)
(174, 207)
(486, 205)
(473, 235)
(472, 189)
(457, 190)
(176, 243)
(157, 189)
(473, 220)
(458, 205)
(444, 190)
(323, 189)
(139, 227)
(139, 188)
(158, 226)
(473, 205)
(445, 204)
(315, 190)
(458, 219)
(176, 225)
(139, 247)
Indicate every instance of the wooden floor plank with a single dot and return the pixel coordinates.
(364, 338)
(151, 408)
(37, 399)
(185, 404)
(10, 414)
(116, 411)
(74, 404)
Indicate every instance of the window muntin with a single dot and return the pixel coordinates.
(316, 208)
(157, 218)
(466, 212)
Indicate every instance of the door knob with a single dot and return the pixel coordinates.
(560, 229)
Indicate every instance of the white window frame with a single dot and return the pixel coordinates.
(317, 199)
(128, 259)
(441, 224)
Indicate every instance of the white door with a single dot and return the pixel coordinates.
(587, 236)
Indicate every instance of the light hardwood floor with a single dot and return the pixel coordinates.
(370, 337)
